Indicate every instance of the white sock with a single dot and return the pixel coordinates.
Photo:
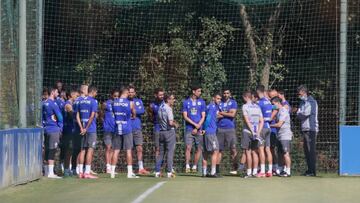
(284, 168)
(194, 167)
(270, 168)
(70, 166)
(130, 170)
(204, 170)
(213, 170)
(255, 170)
(187, 165)
(288, 171)
(81, 168)
(112, 168)
(248, 171)
(78, 168)
(50, 169)
(141, 165)
(262, 168)
(87, 169)
(108, 167)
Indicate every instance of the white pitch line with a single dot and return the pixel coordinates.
(148, 192)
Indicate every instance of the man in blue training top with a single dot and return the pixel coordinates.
(153, 112)
(226, 128)
(86, 119)
(266, 109)
(108, 120)
(211, 144)
(77, 136)
(124, 111)
(136, 128)
(53, 125)
(194, 115)
(69, 130)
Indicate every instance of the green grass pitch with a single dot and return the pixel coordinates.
(326, 188)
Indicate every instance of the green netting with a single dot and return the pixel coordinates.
(174, 44)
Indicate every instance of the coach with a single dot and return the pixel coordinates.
(308, 115)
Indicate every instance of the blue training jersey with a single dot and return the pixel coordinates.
(194, 110)
(52, 117)
(122, 112)
(210, 124)
(109, 118)
(61, 103)
(266, 109)
(139, 107)
(227, 122)
(88, 105)
(155, 106)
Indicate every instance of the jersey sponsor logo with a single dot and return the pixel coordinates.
(121, 104)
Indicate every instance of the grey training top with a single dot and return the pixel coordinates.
(165, 115)
(308, 115)
(253, 112)
(284, 132)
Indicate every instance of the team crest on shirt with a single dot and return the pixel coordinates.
(137, 103)
(199, 103)
(193, 111)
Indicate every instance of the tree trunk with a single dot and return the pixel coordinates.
(252, 45)
(269, 39)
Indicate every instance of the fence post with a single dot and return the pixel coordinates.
(343, 60)
(22, 64)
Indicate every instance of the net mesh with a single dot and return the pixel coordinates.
(9, 62)
(217, 43)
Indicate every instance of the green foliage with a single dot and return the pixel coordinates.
(88, 66)
(212, 39)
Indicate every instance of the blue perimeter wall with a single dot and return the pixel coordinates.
(349, 150)
(20, 156)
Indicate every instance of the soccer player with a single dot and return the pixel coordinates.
(284, 134)
(86, 119)
(69, 130)
(167, 135)
(108, 120)
(253, 125)
(53, 124)
(277, 169)
(136, 128)
(211, 144)
(77, 140)
(308, 115)
(193, 111)
(124, 111)
(226, 128)
(266, 109)
(153, 112)
(60, 101)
